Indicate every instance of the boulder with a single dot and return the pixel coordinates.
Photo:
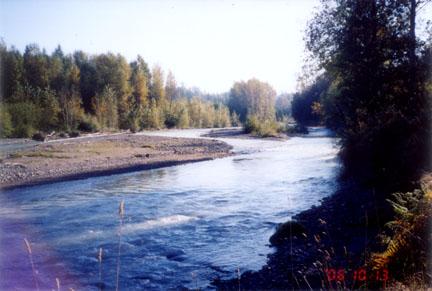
(285, 230)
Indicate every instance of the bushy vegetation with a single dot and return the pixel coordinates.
(264, 128)
(61, 92)
(253, 103)
(306, 106)
(407, 248)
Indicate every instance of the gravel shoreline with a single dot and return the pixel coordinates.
(337, 234)
(84, 157)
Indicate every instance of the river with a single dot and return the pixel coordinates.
(210, 218)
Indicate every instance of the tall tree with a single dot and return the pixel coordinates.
(113, 71)
(254, 97)
(157, 90)
(35, 67)
(170, 87)
(366, 47)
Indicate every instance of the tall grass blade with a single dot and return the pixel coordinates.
(31, 261)
(119, 244)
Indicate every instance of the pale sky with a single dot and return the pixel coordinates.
(208, 44)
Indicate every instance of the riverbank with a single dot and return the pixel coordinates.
(84, 157)
(337, 235)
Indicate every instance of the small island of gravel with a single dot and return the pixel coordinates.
(84, 157)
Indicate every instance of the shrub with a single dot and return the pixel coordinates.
(265, 128)
(252, 124)
(24, 116)
(268, 128)
(88, 123)
(5, 122)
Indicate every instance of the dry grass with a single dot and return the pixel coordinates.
(100, 268)
(119, 244)
(31, 261)
(196, 280)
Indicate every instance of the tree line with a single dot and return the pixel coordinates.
(45, 92)
(42, 92)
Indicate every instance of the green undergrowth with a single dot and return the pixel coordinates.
(263, 128)
(407, 248)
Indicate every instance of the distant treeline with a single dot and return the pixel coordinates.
(375, 89)
(42, 92)
(69, 92)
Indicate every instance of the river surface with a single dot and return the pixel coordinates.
(210, 218)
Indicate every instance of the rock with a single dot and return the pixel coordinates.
(285, 230)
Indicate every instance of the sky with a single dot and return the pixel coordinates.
(206, 44)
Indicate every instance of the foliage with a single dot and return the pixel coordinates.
(378, 99)
(88, 123)
(89, 93)
(5, 122)
(24, 118)
(234, 119)
(407, 250)
(105, 108)
(252, 97)
(264, 128)
(283, 106)
(306, 106)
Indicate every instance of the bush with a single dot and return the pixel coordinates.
(264, 128)
(252, 124)
(5, 122)
(88, 123)
(268, 129)
(24, 116)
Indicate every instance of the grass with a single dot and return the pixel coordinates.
(100, 268)
(31, 262)
(119, 243)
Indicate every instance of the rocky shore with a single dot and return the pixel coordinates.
(77, 158)
(336, 235)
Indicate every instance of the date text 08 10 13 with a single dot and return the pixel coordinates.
(361, 275)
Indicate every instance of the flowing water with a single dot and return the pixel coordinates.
(210, 218)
